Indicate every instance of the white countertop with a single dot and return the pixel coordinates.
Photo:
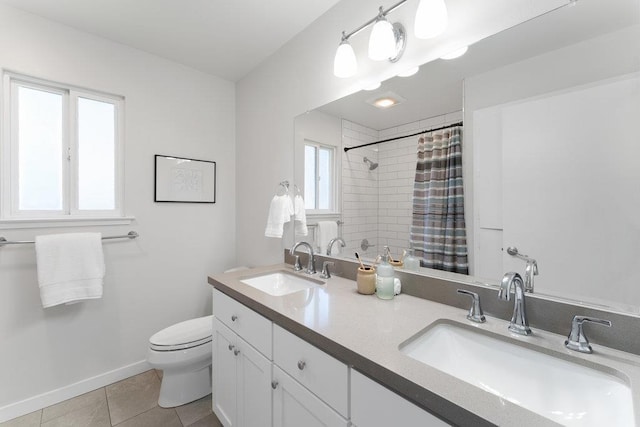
(365, 332)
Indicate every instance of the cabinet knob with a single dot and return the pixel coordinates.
(231, 347)
(236, 352)
(301, 364)
(234, 318)
(274, 384)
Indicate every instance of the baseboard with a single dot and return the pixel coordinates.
(52, 397)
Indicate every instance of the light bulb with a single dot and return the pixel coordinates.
(431, 19)
(345, 64)
(382, 42)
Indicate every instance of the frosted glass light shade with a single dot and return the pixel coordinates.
(431, 19)
(382, 42)
(345, 64)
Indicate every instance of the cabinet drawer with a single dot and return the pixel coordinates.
(251, 326)
(322, 374)
(373, 405)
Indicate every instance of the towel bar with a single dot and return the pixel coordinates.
(129, 235)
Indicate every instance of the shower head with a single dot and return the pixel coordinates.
(372, 165)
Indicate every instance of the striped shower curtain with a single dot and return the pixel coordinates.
(438, 234)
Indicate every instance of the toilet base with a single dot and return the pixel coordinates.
(181, 387)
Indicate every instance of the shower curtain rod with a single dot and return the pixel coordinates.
(404, 136)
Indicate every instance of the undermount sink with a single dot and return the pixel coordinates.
(279, 283)
(564, 391)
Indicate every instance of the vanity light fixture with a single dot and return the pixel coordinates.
(387, 42)
(456, 53)
(431, 19)
(345, 64)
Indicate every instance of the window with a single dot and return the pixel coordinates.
(61, 151)
(319, 176)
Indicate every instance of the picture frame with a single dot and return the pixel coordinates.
(183, 180)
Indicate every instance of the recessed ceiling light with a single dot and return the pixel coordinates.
(385, 102)
(409, 72)
(456, 53)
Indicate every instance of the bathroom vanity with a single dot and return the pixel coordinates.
(326, 355)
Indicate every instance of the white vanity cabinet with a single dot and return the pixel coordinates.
(311, 387)
(241, 374)
(373, 405)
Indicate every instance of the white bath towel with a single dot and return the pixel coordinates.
(280, 212)
(300, 216)
(327, 230)
(70, 267)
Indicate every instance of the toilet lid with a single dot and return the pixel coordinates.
(187, 334)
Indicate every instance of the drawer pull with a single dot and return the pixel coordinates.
(301, 364)
(231, 346)
(234, 318)
(236, 352)
(274, 384)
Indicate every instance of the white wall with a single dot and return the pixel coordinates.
(150, 283)
(299, 77)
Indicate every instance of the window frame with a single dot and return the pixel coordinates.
(70, 214)
(333, 172)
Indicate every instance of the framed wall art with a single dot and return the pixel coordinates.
(181, 180)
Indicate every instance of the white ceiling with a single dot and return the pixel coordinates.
(226, 38)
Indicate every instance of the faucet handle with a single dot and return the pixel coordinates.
(326, 274)
(475, 311)
(577, 340)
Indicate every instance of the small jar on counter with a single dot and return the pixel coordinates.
(366, 280)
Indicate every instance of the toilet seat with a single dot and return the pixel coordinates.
(184, 335)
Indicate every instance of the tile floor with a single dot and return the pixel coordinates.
(132, 402)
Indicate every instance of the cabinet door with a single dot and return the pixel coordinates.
(373, 405)
(224, 375)
(295, 406)
(254, 387)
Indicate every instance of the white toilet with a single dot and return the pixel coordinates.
(183, 353)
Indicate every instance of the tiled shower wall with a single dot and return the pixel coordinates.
(377, 204)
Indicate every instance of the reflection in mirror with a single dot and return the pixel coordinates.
(549, 146)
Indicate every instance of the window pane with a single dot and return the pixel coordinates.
(39, 150)
(309, 177)
(96, 155)
(324, 178)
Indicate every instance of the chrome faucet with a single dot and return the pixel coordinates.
(577, 340)
(332, 241)
(519, 323)
(311, 265)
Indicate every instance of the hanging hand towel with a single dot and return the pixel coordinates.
(300, 216)
(327, 230)
(70, 267)
(280, 212)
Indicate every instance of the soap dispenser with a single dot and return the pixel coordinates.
(384, 277)
(411, 263)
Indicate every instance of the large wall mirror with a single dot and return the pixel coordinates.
(550, 155)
